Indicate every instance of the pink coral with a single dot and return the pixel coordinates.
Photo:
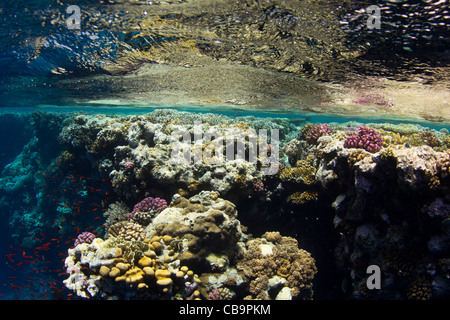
(85, 237)
(149, 204)
(366, 139)
(318, 131)
(128, 165)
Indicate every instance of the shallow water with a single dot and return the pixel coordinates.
(271, 65)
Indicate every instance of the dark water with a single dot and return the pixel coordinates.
(296, 61)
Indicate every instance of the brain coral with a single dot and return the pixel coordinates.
(265, 262)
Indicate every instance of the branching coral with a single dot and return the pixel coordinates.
(429, 138)
(356, 156)
(116, 212)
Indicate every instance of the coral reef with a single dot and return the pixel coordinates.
(155, 148)
(390, 205)
(122, 269)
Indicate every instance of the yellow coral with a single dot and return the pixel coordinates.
(386, 154)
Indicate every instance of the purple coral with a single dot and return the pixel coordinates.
(150, 204)
(128, 165)
(317, 131)
(214, 295)
(85, 237)
(366, 139)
